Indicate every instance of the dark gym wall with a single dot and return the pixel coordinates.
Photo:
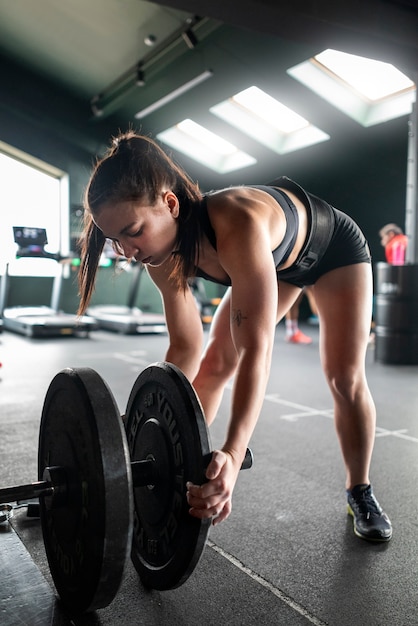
(47, 123)
(52, 126)
(366, 178)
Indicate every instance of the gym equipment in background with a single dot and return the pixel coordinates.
(41, 321)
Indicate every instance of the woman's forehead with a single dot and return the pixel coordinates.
(114, 214)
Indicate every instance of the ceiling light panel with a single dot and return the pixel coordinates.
(268, 121)
(205, 147)
(368, 91)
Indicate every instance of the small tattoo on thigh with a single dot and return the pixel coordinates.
(237, 317)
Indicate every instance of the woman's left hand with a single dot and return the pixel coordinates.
(214, 498)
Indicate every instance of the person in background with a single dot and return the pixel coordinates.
(394, 242)
(293, 332)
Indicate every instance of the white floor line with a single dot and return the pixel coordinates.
(138, 359)
(261, 581)
(131, 358)
(400, 434)
(307, 411)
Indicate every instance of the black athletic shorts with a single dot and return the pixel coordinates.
(347, 246)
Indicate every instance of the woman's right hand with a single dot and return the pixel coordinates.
(214, 498)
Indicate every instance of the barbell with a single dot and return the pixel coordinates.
(109, 488)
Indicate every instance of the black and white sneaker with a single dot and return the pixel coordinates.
(369, 519)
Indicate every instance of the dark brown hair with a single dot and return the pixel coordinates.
(135, 167)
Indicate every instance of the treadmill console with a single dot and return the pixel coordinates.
(31, 242)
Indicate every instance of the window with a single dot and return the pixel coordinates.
(32, 194)
(368, 91)
(269, 121)
(205, 147)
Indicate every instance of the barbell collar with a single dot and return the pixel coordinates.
(144, 473)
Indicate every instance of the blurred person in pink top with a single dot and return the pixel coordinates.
(394, 242)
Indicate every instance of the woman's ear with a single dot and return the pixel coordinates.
(172, 203)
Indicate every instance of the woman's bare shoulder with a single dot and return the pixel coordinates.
(232, 194)
(239, 198)
(240, 203)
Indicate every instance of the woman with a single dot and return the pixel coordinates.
(394, 242)
(266, 242)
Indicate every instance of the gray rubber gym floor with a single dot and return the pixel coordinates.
(287, 555)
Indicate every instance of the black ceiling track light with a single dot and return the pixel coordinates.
(140, 76)
(136, 75)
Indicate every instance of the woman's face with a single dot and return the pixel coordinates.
(145, 232)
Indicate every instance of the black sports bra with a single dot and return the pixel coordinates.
(281, 253)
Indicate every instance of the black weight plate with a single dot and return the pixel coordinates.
(87, 539)
(164, 421)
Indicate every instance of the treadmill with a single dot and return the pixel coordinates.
(129, 319)
(41, 321)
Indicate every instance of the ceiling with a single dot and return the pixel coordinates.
(90, 49)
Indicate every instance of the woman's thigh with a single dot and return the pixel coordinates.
(344, 299)
(288, 294)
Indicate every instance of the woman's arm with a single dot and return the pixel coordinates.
(183, 322)
(244, 247)
(244, 250)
